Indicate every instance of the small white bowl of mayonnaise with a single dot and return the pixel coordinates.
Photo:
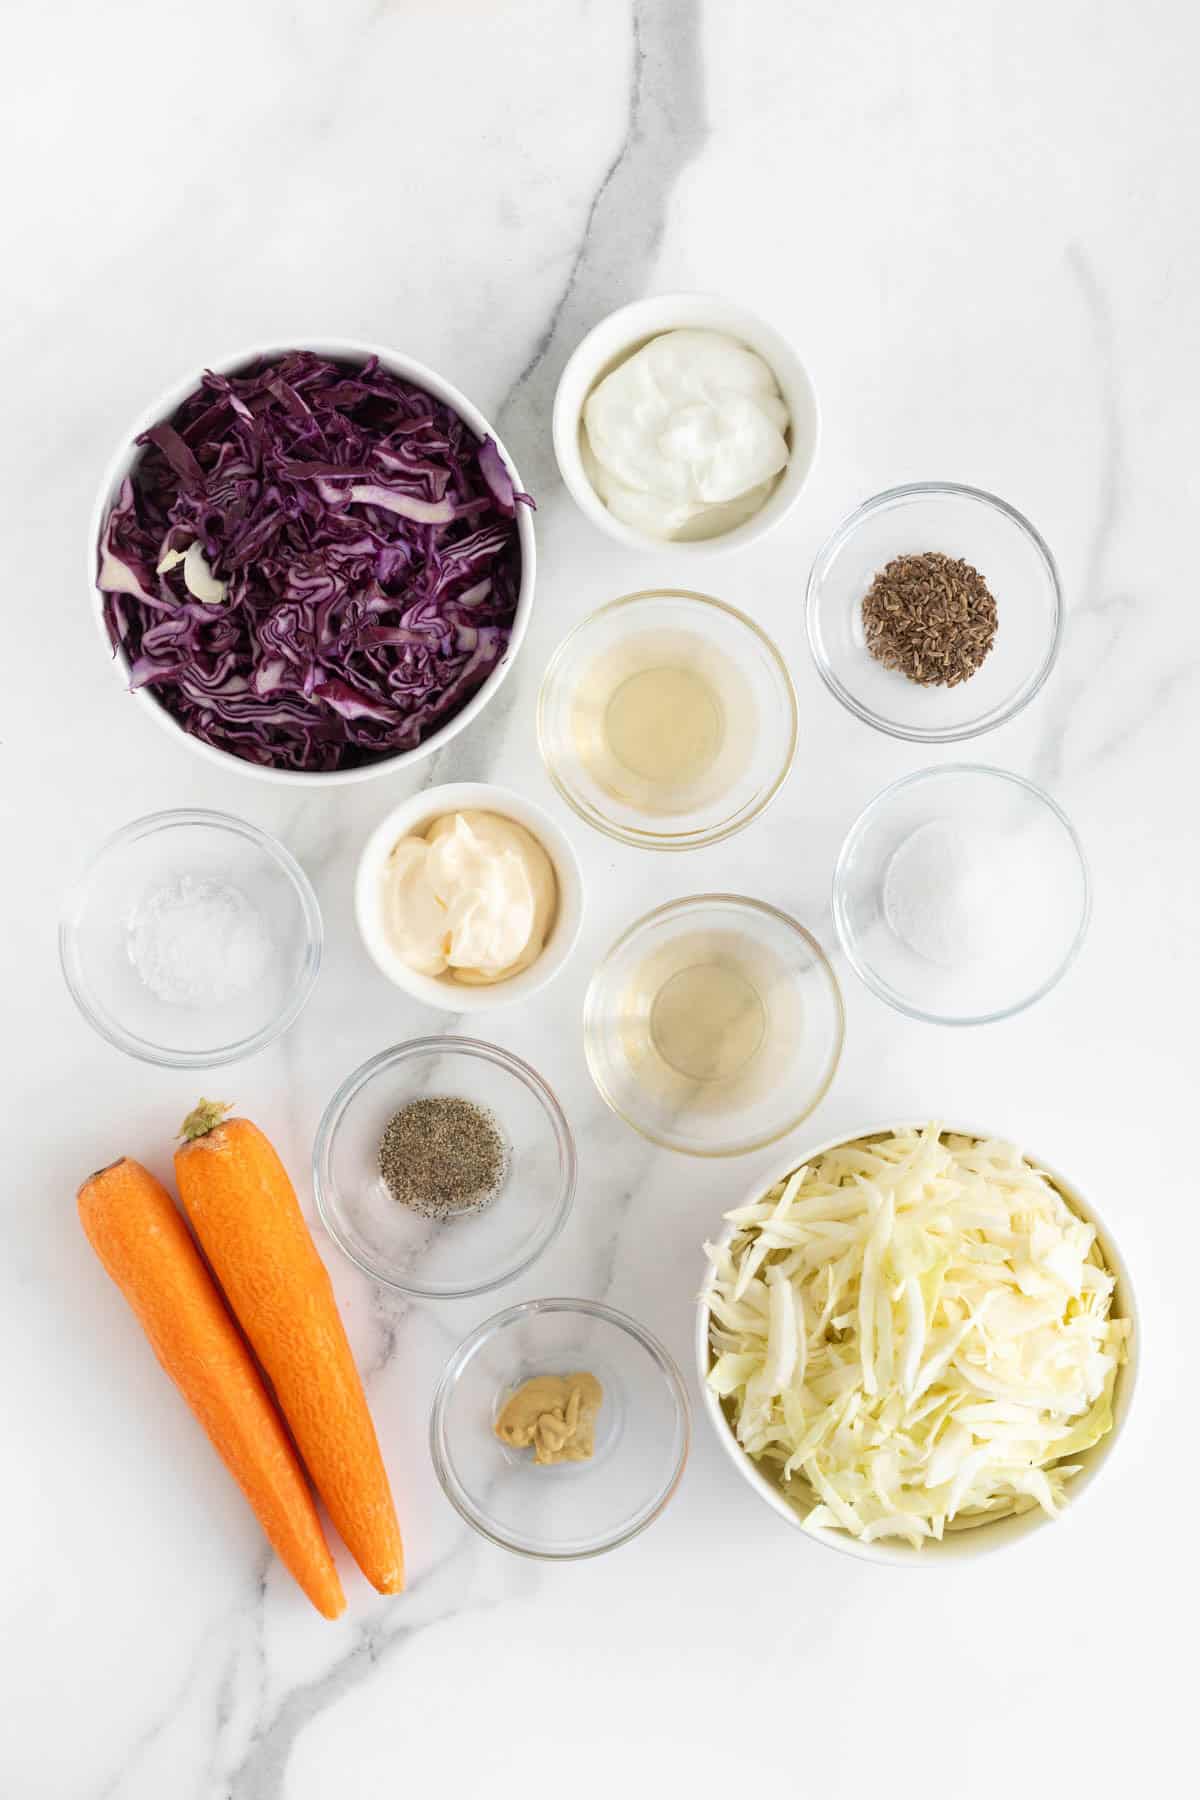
(685, 422)
(468, 896)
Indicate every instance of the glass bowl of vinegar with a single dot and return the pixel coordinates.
(667, 720)
(714, 1025)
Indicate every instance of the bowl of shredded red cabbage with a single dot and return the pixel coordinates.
(317, 564)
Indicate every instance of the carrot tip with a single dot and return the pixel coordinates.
(97, 1173)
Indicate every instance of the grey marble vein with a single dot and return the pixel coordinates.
(666, 127)
(230, 1686)
(396, 177)
(1097, 600)
(636, 1164)
(608, 1249)
(262, 1771)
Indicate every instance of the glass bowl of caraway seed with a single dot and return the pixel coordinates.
(444, 1167)
(935, 612)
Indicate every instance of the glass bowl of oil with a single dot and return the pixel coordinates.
(714, 1025)
(668, 720)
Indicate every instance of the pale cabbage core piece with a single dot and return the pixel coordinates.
(915, 1333)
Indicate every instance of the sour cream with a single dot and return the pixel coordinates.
(473, 898)
(687, 437)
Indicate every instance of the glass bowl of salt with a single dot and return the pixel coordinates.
(961, 894)
(193, 939)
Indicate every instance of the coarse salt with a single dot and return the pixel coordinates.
(197, 942)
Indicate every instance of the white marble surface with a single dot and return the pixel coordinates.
(977, 224)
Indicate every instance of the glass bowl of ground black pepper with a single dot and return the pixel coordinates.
(935, 612)
(444, 1167)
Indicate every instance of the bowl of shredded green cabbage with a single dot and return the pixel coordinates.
(916, 1341)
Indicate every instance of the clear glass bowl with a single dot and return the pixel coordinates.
(960, 522)
(157, 856)
(714, 1025)
(749, 687)
(447, 1258)
(988, 835)
(643, 1430)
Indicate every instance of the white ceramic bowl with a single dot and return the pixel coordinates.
(956, 1544)
(343, 350)
(416, 815)
(626, 330)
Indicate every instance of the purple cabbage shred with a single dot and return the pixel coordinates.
(366, 543)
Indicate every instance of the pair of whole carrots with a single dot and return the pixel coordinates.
(246, 1217)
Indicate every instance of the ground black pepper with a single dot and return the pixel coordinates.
(930, 617)
(442, 1156)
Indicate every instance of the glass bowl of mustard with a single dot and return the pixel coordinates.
(560, 1429)
(444, 1167)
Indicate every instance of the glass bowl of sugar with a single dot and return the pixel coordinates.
(191, 940)
(961, 894)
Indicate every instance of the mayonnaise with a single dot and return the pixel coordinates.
(473, 898)
(686, 437)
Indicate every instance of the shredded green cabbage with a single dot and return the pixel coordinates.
(914, 1333)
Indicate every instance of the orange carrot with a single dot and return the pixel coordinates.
(245, 1212)
(137, 1232)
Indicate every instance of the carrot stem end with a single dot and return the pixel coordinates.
(204, 1118)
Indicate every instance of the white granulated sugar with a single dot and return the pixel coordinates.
(961, 896)
(197, 942)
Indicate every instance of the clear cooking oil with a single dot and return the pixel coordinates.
(707, 1021)
(662, 723)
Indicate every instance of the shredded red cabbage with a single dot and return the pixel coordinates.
(356, 567)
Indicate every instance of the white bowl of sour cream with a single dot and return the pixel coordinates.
(468, 896)
(685, 422)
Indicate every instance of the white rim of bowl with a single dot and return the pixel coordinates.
(687, 904)
(141, 1048)
(440, 1046)
(348, 349)
(900, 1555)
(474, 1341)
(564, 429)
(875, 983)
(836, 542)
(650, 840)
